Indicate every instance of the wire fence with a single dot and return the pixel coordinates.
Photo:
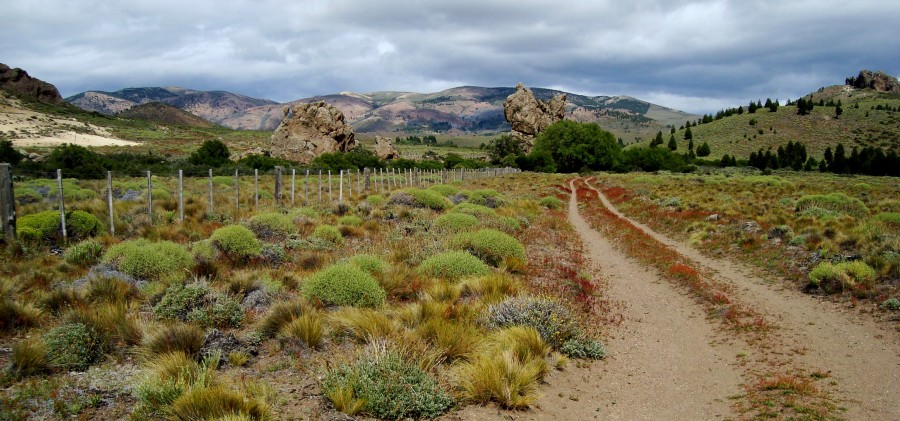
(123, 199)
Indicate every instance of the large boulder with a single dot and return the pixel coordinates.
(385, 149)
(529, 116)
(17, 81)
(309, 130)
(878, 81)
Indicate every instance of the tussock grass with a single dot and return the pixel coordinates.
(174, 338)
(362, 325)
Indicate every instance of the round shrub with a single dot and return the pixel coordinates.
(272, 225)
(490, 245)
(453, 265)
(369, 263)
(328, 233)
(72, 347)
(80, 224)
(420, 198)
(85, 253)
(236, 242)
(344, 285)
(550, 202)
(474, 210)
(455, 222)
(204, 251)
(350, 220)
(144, 259)
(376, 200)
(179, 301)
(38, 226)
(584, 348)
(445, 190)
(552, 320)
(838, 277)
(485, 197)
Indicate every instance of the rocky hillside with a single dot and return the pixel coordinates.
(17, 82)
(164, 113)
(456, 111)
(214, 106)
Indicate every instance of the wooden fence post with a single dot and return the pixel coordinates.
(358, 182)
(330, 197)
(278, 185)
(341, 188)
(306, 189)
(109, 202)
(7, 203)
(150, 197)
(237, 195)
(211, 208)
(293, 178)
(320, 186)
(256, 190)
(181, 195)
(368, 176)
(62, 205)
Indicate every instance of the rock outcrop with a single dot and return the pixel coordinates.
(18, 82)
(385, 149)
(309, 130)
(529, 116)
(878, 81)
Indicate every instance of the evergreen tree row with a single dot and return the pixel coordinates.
(868, 160)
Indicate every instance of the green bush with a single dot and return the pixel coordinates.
(237, 242)
(455, 222)
(204, 251)
(38, 226)
(179, 301)
(80, 224)
(837, 277)
(445, 190)
(223, 311)
(551, 319)
(344, 285)
(550, 202)
(428, 199)
(892, 304)
(584, 348)
(453, 265)
(835, 202)
(144, 259)
(376, 200)
(350, 220)
(390, 388)
(479, 211)
(272, 225)
(370, 263)
(72, 347)
(328, 233)
(485, 197)
(490, 245)
(892, 218)
(85, 253)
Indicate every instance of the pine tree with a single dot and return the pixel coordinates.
(657, 141)
(689, 136)
(672, 145)
(703, 150)
(838, 111)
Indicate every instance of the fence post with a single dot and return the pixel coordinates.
(306, 189)
(211, 209)
(237, 195)
(7, 203)
(149, 197)
(330, 196)
(181, 195)
(368, 178)
(358, 182)
(256, 190)
(278, 185)
(109, 202)
(341, 188)
(62, 206)
(320, 186)
(293, 178)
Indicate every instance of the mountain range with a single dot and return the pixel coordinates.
(461, 110)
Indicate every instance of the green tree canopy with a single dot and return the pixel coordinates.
(212, 153)
(578, 147)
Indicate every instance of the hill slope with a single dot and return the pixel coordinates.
(164, 113)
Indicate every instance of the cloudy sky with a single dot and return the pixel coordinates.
(694, 55)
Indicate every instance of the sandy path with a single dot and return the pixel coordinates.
(663, 363)
(864, 358)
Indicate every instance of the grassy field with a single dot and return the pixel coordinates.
(392, 305)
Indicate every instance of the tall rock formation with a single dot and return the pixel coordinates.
(18, 82)
(309, 130)
(529, 116)
(878, 81)
(385, 149)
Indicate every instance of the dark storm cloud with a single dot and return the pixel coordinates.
(694, 55)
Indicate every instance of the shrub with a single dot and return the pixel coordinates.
(222, 312)
(204, 251)
(420, 199)
(453, 265)
(388, 387)
(376, 200)
(175, 338)
(273, 254)
(490, 245)
(38, 226)
(344, 285)
(280, 315)
(585, 348)
(80, 224)
(371, 263)
(144, 259)
(272, 225)
(835, 202)
(892, 304)
(180, 300)
(455, 222)
(328, 233)
(551, 319)
(72, 347)
(891, 218)
(838, 277)
(479, 211)
(550, 202)
(85, 253)
(445, 190)
(350, 220)
(485, 197)
(237, 242)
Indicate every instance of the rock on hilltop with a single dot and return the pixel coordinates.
(18, 82)
(309, 130)
(529, 116)
(879, 81)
